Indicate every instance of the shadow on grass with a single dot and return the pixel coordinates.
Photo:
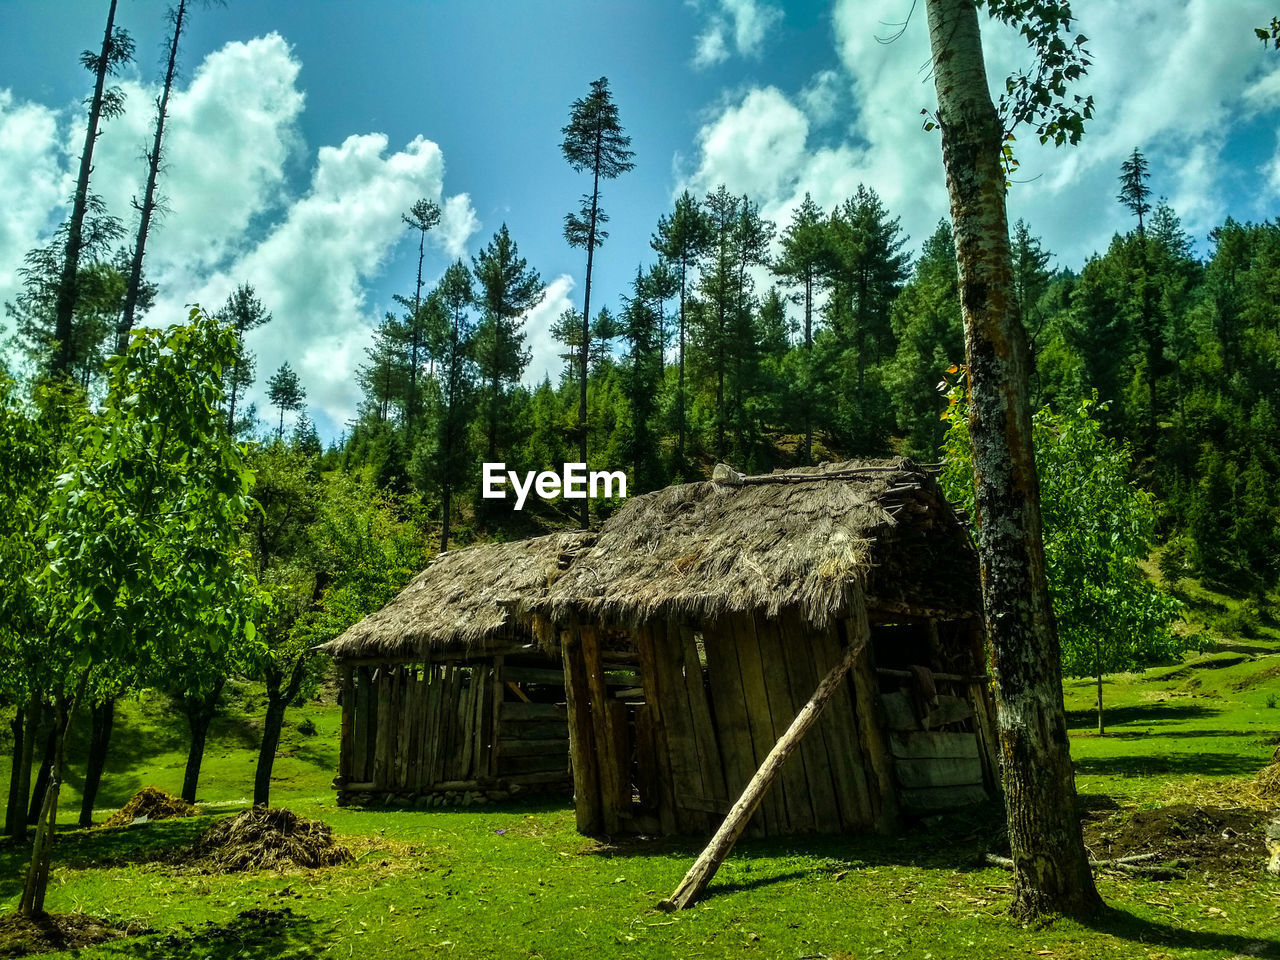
(86, 849)
(1181, 764)
(1173, 734)
(252, 934)
(1124, 925)
(1144, 713)
(956, 841)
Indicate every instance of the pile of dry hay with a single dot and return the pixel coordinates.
(152, 803)
(267, 838)
(1267, 782)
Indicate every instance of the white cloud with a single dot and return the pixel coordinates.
(1175, 92)
(231, 139)
(228, 138)
(31, 168)
(545, 349)
(746, 22)
(311, 268)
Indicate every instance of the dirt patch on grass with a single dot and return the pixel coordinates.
(267, 839)
(153, 804)
(1214, 839)
(20, 937)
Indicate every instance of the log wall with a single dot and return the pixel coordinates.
(414, 728)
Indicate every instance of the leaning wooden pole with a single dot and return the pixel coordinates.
(695, 881)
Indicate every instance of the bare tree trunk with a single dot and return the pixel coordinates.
(1051, 871)
(148, 207)
(584, 510)
(279, 696)
(44, 774)
(200, 711)
(66, 302)
(103, 720)
(37, 882)
(15, 821)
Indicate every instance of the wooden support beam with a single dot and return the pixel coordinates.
(696, 880)
(582, 745)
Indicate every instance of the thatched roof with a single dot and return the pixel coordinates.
(462, 600)
(794, 539)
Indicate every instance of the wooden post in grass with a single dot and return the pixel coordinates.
(695, 881)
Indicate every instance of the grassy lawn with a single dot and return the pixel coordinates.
(518, 881)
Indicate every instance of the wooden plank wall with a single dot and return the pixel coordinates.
(707, 731)
(410, 727)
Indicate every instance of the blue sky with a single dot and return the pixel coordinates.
(302, 128)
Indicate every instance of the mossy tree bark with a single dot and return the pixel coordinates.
(1051, 869)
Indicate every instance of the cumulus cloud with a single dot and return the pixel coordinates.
(31, 168)
(1176, 94)
(228, 138)
(744, 24)
(545, 349)
(232, 216)
(312, 267)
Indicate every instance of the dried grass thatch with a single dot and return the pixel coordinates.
(462, 599)
(267, 838)
(795, 539)
(152, 803)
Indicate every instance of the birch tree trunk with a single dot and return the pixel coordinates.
(1051, 869)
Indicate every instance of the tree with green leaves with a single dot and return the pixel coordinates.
(99, 291)
(801, 264)
(866, 268)
(930, 339)
(1051, 866)
(280, 536)
(593, 140)
(681, 240)
(141, 563)
(286, 393)
(1098, 528)
(104, 103)
(385, 377)
(243, 312)
(509, 288)
(458, 382)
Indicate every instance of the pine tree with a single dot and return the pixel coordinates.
(681, 241)
(801, 263)
(286, 393)
(419, 326)
(1134, 193)
(244, 312)
(593, 140)
(865, 272)
(718, 285)
(385, 377)
(457, 372)
(509, 288)
(105, 103)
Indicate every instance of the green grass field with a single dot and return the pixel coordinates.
(518, 881)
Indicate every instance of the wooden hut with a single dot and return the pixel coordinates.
(444, 692)
(704, 617)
